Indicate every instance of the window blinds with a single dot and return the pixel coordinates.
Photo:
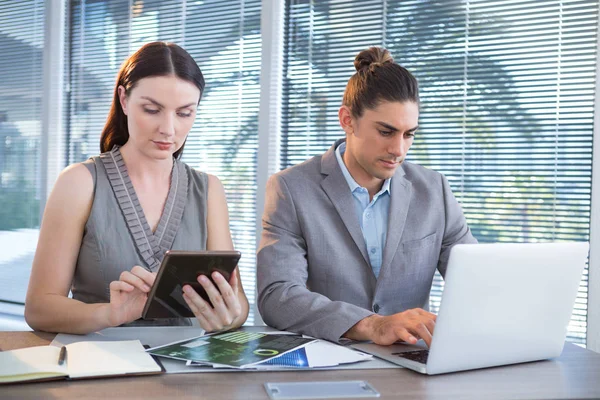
(507, 96)
(21, 87)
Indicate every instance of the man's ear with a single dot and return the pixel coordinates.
(122, 98)
(346, 119)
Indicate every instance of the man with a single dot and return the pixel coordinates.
(351, 239)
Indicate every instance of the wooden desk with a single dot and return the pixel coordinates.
(576, 374)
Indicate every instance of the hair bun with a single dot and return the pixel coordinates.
(373, 56)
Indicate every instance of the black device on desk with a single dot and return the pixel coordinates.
(180, 268)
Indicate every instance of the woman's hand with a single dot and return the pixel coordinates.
(224, 297)
(128, 295)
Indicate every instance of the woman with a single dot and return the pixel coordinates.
(109, 220)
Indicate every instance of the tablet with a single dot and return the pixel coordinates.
(179, 268)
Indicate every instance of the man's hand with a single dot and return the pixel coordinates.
(409, 326)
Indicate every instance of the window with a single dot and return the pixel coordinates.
(224, 38)
(507, 93)
(22, 43)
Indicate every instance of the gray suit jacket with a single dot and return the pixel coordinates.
(313, 270)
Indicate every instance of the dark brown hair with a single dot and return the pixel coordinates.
(152, 59)
(378, 78)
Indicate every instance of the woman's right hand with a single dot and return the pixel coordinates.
(128, 295)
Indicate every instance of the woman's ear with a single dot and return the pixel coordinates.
(345, 117)
(122, 98)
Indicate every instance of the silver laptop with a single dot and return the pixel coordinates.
(503, 303)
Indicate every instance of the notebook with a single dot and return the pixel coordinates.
(503, 303)
(82, 360)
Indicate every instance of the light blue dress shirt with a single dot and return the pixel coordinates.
(372, 215)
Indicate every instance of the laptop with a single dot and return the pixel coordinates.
(503, 303)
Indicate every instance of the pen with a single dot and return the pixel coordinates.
(62, 355)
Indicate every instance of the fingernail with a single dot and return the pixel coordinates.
(203, 279)
(216, 275)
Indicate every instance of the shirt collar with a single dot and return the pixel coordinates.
(339, 152)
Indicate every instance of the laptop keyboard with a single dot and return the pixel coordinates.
(417, 355)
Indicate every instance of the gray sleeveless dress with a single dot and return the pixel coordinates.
(117, 236)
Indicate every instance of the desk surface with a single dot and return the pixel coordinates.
(575, 374)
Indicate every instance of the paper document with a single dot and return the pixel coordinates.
(236, 349)
(317, 354)
(327, 354)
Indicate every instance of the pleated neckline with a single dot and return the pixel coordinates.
(151, 246)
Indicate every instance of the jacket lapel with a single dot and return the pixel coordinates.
(401, 190)
(336, 188)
